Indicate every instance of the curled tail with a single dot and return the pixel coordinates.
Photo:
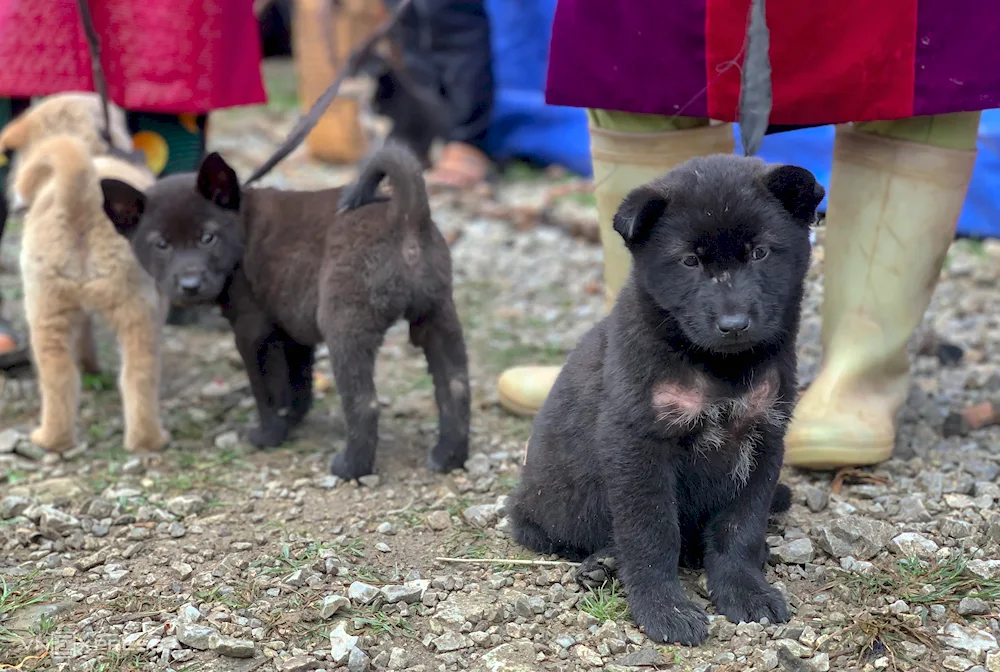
(408, 203)
(63, 161)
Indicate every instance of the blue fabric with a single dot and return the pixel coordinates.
(523, 125)
(812, 148)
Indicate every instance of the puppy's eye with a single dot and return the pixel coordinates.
(161, 244)
(759, 253)
(690, 260)
(207, 238)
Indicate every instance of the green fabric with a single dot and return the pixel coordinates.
(185, 149)
(950, 131)
(627, 122)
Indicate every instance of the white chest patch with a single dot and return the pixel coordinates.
(716, 422)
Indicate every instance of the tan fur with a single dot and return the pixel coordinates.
(73, 263)
(80, 115)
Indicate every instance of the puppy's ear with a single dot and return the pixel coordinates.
(640, 209)
(123, 204)
(797, 189)
(217, 182)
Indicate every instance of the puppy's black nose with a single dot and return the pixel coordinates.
(734, 322)
(189, 284)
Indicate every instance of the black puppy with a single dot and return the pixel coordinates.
(418, 114)
(292, 269)
(661, 442)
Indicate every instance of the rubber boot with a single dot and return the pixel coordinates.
(891, 218)
(622, 160)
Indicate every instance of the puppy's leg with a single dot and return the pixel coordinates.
(642, 495)
(735, 547)
(300, 375)
(262, 348)
(440, 336)
(86, 347)
(597, 569)
(352, 353)
(137, 327)
(52, 339)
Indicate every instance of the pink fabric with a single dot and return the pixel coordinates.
(168, 56)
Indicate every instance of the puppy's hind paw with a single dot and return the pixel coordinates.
(270, 436)
(343, 468)
(746, 602)
(51, 441)
(671, 621)
(446, 457)
(596, 570)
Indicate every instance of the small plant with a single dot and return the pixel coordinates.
(380, 623)
(606, 603)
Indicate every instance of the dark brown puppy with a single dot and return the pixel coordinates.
(292, 269)
(662, 439)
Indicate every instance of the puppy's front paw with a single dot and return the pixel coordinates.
(670, 620)
(53, 441)
(149, 442)
(342, 467)
(447, 457)
(749, 600)
(595, 571)
(270, 435)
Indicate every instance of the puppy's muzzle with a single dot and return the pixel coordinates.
(733, 324)
(189, 284)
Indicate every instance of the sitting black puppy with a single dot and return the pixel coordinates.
(418, 114)
(662, 440)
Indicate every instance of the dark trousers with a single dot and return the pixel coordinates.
(446, 47)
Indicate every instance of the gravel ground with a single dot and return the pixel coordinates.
(215, 556)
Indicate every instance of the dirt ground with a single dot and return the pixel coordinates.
(216, 556)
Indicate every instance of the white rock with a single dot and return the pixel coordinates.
(196, 636)
(968, 639)
(987, 569)
(911, 544)
(332, 604)
(362, 593)
(341, 644)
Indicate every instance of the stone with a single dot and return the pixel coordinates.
(227, 440)
(341, 644)
(10, 439)
(91, 561)
(439, 520)
(297, 664)
(383, 547)
(993, 662)
(477, 465)
(973, 606)
(516, 656)
(231, 647)
(196, 636)
(861, 538)
(451, 641)
(481, 515)
(957, 529)
(647, 656)
(370, 481)
(987, 569)
(794, 648)
(968, 639)
(913, 545)
(956, 663)
(358, 661)
(331, 604)
(50, 490)
(797, 552)
(817, 499)
(820, 662)
(409, 594)
(186, 505)
(587, 656)
(398, 659)
(386, 528)
(60, 522)
(12, 507)
(462, 607)
(362, 593)
(182, 570)
(29, 450)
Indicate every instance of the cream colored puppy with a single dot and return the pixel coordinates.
(74, 263)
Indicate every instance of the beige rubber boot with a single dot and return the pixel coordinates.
(622, 161)
(893, 209)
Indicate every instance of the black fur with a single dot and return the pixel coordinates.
(418, 114)
(291, 270)
(621, 462)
